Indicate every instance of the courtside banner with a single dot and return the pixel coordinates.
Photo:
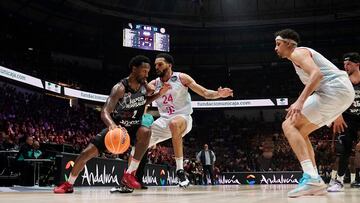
(264, 178)
(230, 103)
(85, 95)
(21, 77)
(109, 172)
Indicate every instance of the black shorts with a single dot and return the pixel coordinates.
(99, 140)
(347, 139)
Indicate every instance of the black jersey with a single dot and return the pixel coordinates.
(354, 110)
(129, 109)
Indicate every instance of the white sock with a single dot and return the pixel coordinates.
(134, 164)
(71, 179)
(179, 163)
(341, 179)
(333, 174)
(308, 168)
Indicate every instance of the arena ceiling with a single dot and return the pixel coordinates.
(84, 15)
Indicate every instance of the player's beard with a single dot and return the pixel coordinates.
(161, 73)
(141, 80)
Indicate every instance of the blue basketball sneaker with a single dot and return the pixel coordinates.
(308, 186)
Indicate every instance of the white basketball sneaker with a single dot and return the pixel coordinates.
(337, 186)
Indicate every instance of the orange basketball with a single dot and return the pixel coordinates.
(117, 141)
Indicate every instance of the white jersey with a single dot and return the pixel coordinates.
(328, 69)
(176, 101)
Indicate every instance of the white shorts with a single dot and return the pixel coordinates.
(160, 130)
(323, 107)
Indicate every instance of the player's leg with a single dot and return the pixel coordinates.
(356, 183)
(344, 153)
(161, 131)
(141, 170)
(178, 127)
(139, 175)
(335, 165)
(88, 153)
(95, 147)
(143, 134)
(296, 132)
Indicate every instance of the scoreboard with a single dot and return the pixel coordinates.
(146, 37)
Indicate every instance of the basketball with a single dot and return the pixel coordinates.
(117, 141)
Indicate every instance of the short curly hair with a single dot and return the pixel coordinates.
(168, 58)
(138, 60)
(288, 34)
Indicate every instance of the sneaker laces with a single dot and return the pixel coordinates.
(303, 179)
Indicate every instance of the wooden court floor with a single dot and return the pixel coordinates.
(193, 194)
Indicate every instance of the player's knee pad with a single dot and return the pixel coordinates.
(147, 120)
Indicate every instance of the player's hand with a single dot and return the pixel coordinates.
(113, 126)
(294, 110)
(166, 86)
(339, 125)
(225, 92)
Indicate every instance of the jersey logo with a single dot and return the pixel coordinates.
(173, 78)
(143, 90)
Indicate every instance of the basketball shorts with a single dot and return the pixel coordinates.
(322, 108)
(349, 138)
(99, 140)
(160, 130)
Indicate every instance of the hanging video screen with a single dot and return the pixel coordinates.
(146, 37)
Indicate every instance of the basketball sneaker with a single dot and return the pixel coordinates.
(355, 184)
(332, 182)
(121, 189)
(66, 187)
(336, 187)
(308, 186)
(183, 181)
(130, 181)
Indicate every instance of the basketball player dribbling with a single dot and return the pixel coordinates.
(328, 92)
(175, 108)
(123, 108)
(347, 127)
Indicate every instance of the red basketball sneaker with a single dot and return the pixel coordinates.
(130, 180)
(66, 187)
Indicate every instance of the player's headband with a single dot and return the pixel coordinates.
(286, 40)
(353, 57)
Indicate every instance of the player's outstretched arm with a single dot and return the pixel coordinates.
(151, 96)
(117, 92)
(202, 91)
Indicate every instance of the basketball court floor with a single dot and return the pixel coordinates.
(193, 194)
